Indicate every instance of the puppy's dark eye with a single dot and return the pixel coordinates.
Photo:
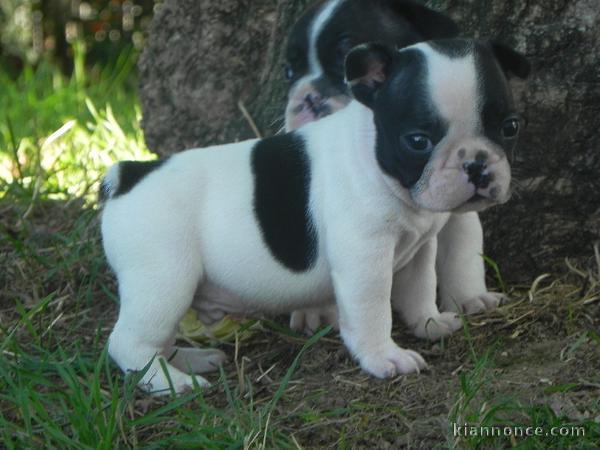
(288, 72)
(510, 128)
(419, 142)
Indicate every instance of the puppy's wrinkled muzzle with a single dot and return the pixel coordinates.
(489, 173)
(469, 179)
(478, 174)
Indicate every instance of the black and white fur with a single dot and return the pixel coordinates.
(323, 36)
(345, 208)
(316, 48)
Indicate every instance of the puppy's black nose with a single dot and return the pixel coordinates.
(477, 172)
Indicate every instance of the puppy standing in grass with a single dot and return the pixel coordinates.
(315, 53)
(347, 208)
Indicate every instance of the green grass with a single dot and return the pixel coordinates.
(59, 389)
(481, 411)
(95, 405)
(58, 134)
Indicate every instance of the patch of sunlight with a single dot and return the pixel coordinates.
(71, 161)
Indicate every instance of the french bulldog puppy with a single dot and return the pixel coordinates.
(316, 48)
(320, 40)
(345, 208)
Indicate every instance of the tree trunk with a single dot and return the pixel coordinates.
(212, 70)
(206, 62)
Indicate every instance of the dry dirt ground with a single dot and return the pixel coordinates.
(533, 362)
(511, 370)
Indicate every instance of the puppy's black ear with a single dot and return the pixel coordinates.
(511, 61)
(367, 67)
(428, 23)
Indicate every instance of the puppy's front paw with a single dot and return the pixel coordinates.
(309, 320)
(392, 361)
(475, 304)
(435, 328)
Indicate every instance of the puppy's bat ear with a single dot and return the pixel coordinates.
(367, 68)
(511, 61)
(428, 23)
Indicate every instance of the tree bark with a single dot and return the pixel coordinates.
(205, 63)
(213, 69)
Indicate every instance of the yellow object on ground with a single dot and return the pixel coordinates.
(191, 327)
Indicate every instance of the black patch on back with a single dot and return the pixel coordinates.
(131, 172)
(282, 178)
(403, 106)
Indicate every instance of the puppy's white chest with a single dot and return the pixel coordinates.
(414, 233)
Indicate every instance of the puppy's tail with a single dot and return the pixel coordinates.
(124, 175)
(110, 183)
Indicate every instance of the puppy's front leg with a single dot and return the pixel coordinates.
(460, 266)
(414, 292)
(362, 281)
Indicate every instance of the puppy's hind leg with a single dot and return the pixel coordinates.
(309, 320)
(195, 360)
(154, 298)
